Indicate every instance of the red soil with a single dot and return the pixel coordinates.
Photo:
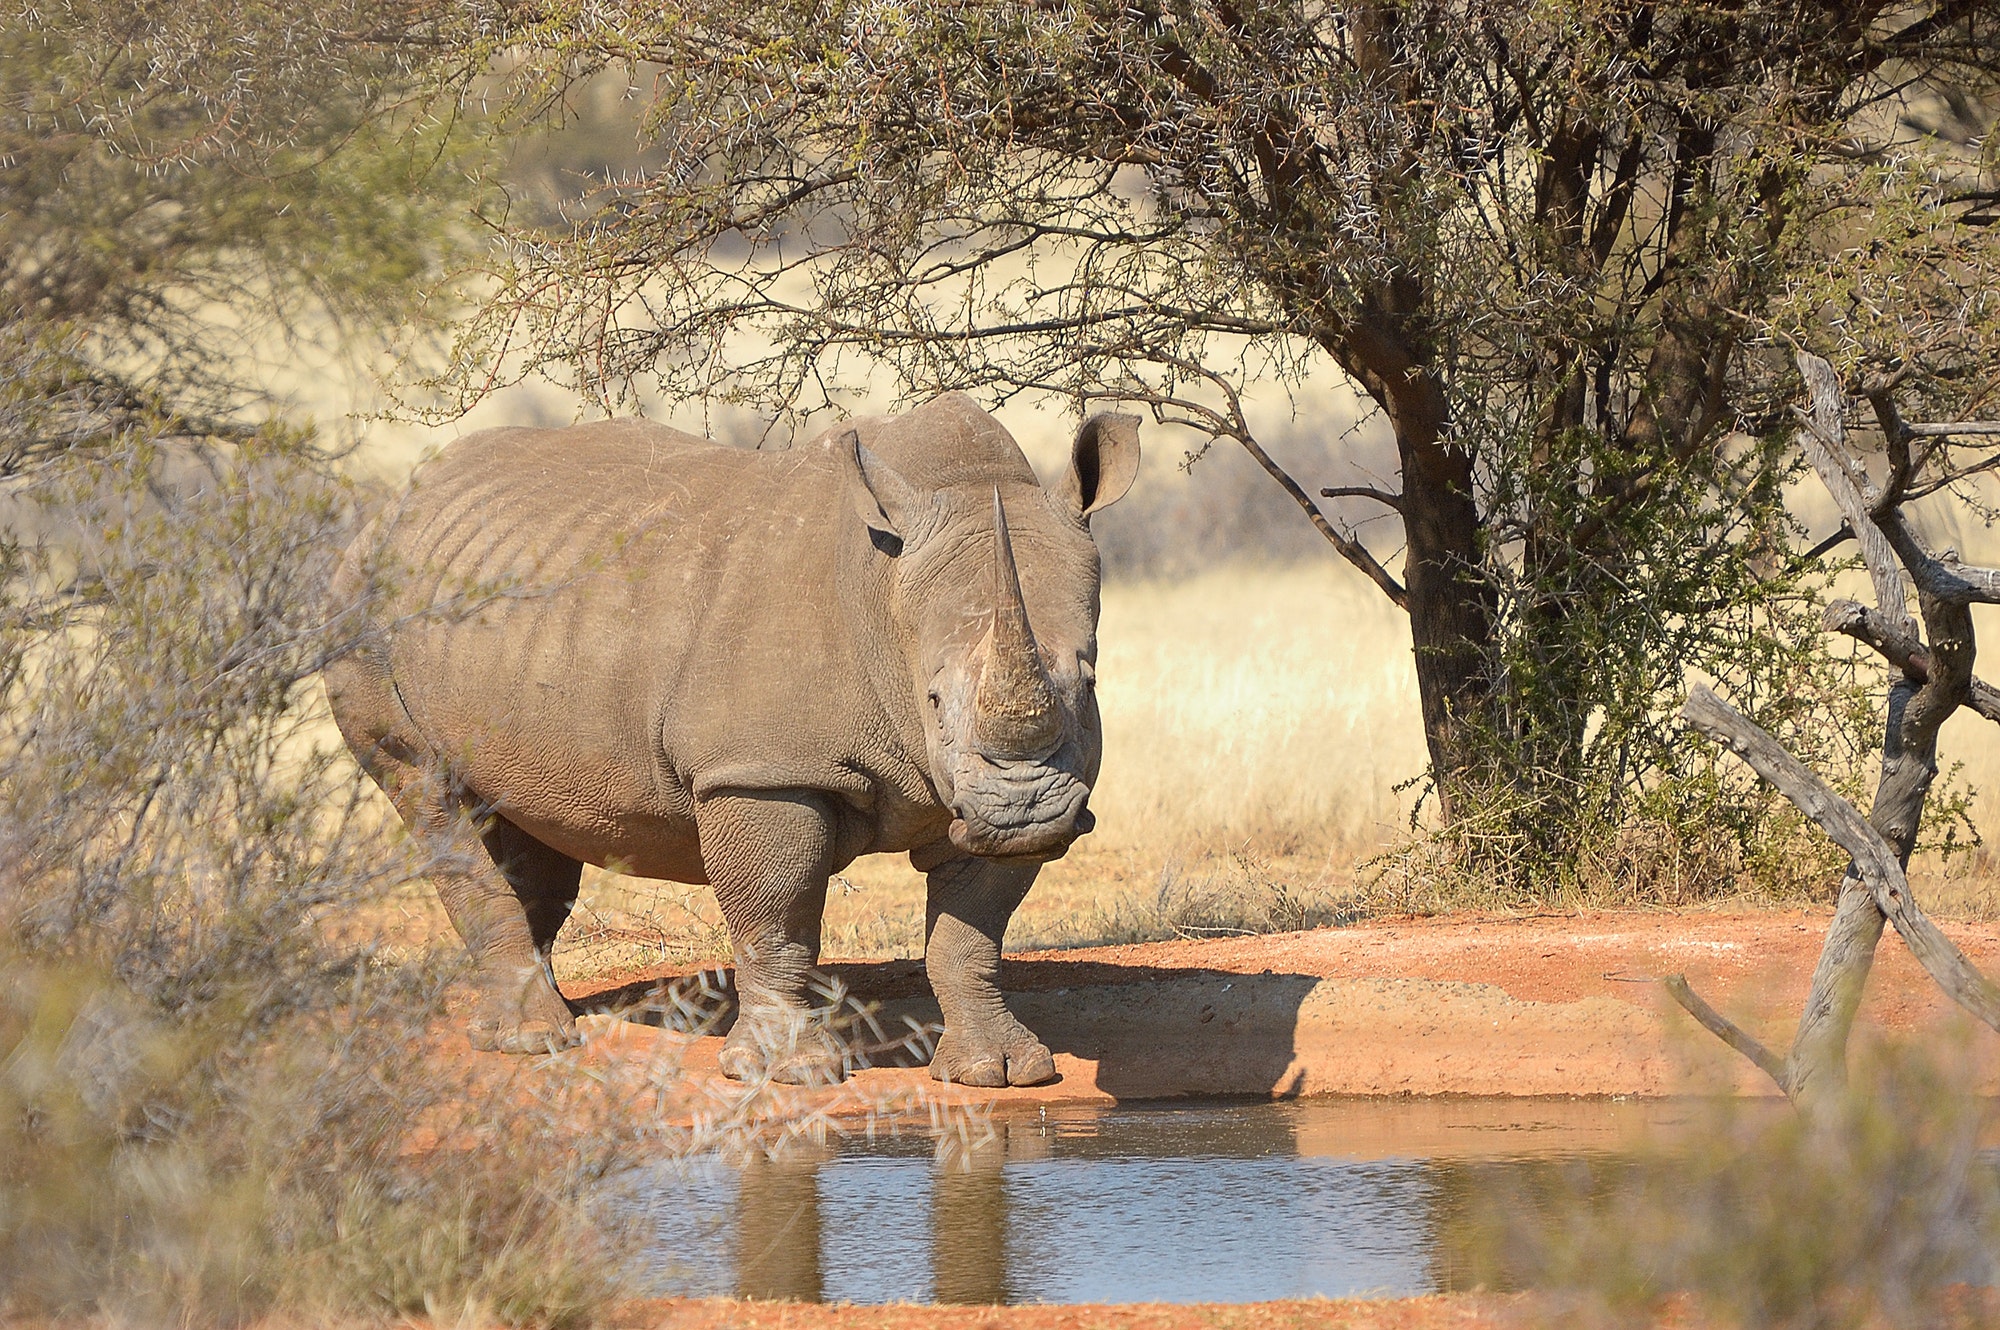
(1457, 1311)
(1490, 1005)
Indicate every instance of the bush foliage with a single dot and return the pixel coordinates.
(220, 1095)
(1881, 1212)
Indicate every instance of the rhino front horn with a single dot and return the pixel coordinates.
(1015, 713)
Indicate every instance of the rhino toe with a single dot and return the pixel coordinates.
(522, 1036)
(530, 1017)
(783, 1049)
(1031, 1066)
(1027, 1062)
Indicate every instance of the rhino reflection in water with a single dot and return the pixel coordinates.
(741, 668)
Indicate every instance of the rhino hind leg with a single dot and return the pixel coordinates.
(507, 895)
(768, 855)
(521, 1010)
(969, 902)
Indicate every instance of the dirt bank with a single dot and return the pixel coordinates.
(1543, 1005)
(1441, 1312)
(1447, 1311)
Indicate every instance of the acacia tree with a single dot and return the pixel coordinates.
(187, 189)
(1550, 242)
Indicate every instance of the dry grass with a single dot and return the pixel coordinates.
(1275, 706)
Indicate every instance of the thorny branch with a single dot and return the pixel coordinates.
(1231, 423)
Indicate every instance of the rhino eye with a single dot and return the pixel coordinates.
(934, 699)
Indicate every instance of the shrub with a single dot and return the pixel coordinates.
(219, 1096)
(1880, 1212)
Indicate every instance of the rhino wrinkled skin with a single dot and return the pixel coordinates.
(745, 668)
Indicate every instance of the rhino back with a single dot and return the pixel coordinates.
(647, 617)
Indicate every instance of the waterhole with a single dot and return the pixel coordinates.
(1231, 1202)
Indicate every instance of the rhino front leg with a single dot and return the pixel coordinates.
(969, 903)
(769, 855)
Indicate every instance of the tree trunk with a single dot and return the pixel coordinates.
(1450, 619)
(1388, 352)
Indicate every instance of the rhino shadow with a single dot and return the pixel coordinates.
(1152, 1033)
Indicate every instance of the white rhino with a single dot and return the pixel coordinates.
(745, 668)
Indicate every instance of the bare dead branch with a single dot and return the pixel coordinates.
(1941, 576)
(1953, 427)
(1901, 650)
(1873, 628)
(1727, 1030)
(1824, 442)
(1873, 856)
(1936, 680)
(1382, 497)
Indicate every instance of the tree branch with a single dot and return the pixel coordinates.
(1840, 536)
(1902, 650)
(1382, 497)
(1950, 478)
(1727, 1030)
(1350, 549)
(1940, 576)
(1824, 440)
(1873, 856)
(1231, 424)
(1952, 427)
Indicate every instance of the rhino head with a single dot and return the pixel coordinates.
(997, 598)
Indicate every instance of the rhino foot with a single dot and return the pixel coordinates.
(536, 1020)
(785, 1047)
(1018, 1058)
(522, 1037)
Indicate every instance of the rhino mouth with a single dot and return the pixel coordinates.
(1035, 814)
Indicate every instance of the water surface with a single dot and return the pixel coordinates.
(1229, 1202)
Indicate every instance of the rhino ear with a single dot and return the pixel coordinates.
(1103, 463)
(889, 504)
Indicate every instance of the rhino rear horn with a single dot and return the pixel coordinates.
(1014, 709)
